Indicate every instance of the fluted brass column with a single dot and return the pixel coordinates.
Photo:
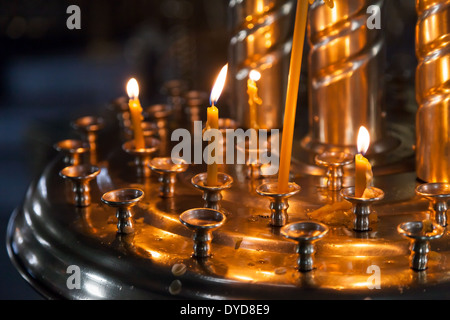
(346, 67)
(433, 90)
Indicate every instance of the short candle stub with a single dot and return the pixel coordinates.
(334, 162)
(212, 194)
(123, 200)
(438, 195)
(167, 168)
(305, 233)
(72, 150)
(142, 156)
(80, 176)
(420, 238)
(278, 202)
(203, 221)
(362, 207)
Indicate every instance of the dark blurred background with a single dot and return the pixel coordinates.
(50, 75)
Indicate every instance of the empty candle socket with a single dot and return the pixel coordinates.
(334, 162)
(72, 150)
(203, 221)
(80, 177)
(167, 168)
(305, 233)
(278, 201)
(420, 241)
(438, 195)
(212, 194)
(142, 156)
(123, 200)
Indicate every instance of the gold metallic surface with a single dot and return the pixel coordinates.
(432, 90)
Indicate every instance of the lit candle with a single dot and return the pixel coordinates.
(363, 169)
(292, 92)
(213, 122)
(253, 99)
(136, 113)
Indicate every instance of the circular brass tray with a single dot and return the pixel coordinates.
(251, 259)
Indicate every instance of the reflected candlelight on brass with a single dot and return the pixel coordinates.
(432, 94)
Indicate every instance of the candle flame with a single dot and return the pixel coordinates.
(254, 75)
(133, 89)
(363, 140)
(218, 85)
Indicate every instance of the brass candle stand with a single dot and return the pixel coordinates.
(73, 150)
(123, 200)
(142, 156)
(212, 195)
(203, 222)
(420, 241)
(89, 127)
(362, 207)
(279, 202)
(438, 195)
(80, 176)
(167, 168)
(334, 162)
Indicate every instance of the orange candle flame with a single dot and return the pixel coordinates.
(218, 85)
(133, 89)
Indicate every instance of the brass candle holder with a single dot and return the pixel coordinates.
(278, 201)
(89, 127)
(142, 156)
(212, 194)
(305, 233)
(167, 169)
(203, 221)
(334, 162)
(123, 200)
(72, 150)
(149, 129)
(438, 195)
(420, 241)
(80, 176)
(362, 207)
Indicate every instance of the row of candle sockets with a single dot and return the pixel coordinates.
(205, 220)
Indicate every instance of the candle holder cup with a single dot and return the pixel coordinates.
(142, 156)
(123, 200)
(362, 207)
(334, 162)
(72, 150)
(80, 176)
(278, 201)
(438, 195)
(167, 168)
(203, 221)
(420, 242)
(89, 127)
(305, 233)
(212, 194)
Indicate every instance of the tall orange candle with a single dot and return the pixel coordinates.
(213, 122)
(292, 92)
(253, 99)
(136, 113)
(363, 168)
